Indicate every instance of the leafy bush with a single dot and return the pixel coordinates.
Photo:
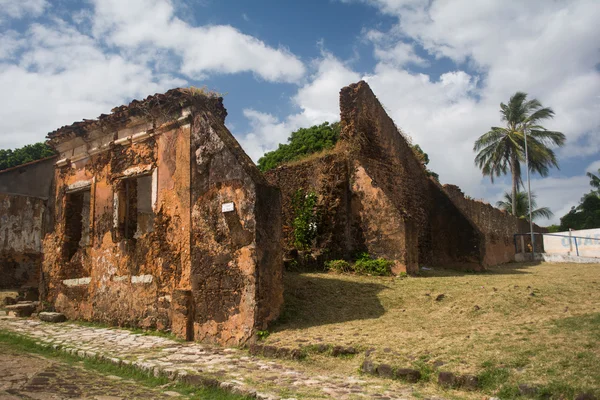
(262, 335)
(367, 265)
(305, 219)
(301, 143)
(364, 265)
(338, 266)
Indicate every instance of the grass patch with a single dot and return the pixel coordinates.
(26, 345)
(588, 324)
(493, 377)
(539, 323)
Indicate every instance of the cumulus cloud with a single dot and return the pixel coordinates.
(21, 8)
(593, 167)
(390, 48)
(548, 49)
(316, 101)
(58, 72)
(203, 49)
(62, 76)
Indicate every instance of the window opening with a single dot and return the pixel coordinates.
(136, 217)
(77, 222)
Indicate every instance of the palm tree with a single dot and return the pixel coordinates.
(522, 206)
(595, 180)
(502, 149)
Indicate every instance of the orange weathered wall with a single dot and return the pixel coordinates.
(163, 254)
(236, 256)
(202, 273)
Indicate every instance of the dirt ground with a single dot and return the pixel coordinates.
(25, 376)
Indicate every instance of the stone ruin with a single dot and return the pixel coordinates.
(374, 196)
(160, 220)
(153, 216)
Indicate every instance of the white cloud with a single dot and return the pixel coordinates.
(560, 194)
(11, 42)
(548, 49)
(63, 76)
(390, 48)
(593, 167)
(21, 8)
(203, 50)
(317, 101)
(58, 72)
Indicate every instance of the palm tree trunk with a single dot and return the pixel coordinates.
(515, 182)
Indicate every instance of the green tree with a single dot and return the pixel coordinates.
(523, 206)
(595, 181)
(585, 216)
(301, 143)
(502, 149)
(424, 159)
(31, 152)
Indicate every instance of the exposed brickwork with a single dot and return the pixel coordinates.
(375, 196)
(180, 263)
(498, 227)
(328, 177)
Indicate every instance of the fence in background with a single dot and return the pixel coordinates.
(582, 243)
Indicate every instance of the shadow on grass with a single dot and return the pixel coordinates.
(503, 269)
(313, 301)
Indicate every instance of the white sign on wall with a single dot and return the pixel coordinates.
(588, 243)
(227, 207)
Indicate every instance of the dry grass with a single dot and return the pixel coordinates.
(519, 323)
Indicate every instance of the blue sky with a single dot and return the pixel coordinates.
(440, 68)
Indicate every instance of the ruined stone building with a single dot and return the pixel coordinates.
(375, 197)
(153, 216)
(24, 216)
(160, 220)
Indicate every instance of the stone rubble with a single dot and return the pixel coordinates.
(196, 363)
(52, 317)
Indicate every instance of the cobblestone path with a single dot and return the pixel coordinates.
(234, 369)
(24, 376)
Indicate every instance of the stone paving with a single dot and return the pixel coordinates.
(230, 368)
(25, 376)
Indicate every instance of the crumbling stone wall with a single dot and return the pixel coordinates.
(236, 229)
(174, 260)
(21, 230)
(24, 198)
(380, 198)
(329, 178)
(497, 226)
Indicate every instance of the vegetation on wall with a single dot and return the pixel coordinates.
(23, 155)
(307, 141)
(301, 143)
(424, 159)
(305, 221)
